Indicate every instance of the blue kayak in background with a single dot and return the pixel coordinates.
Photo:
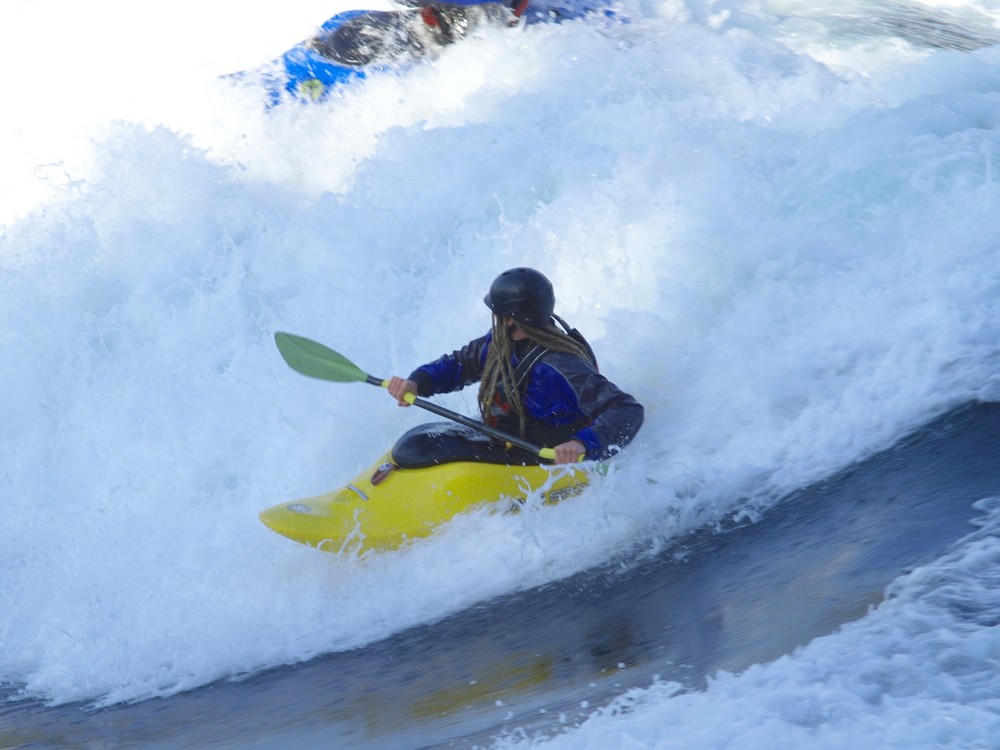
(355, 43)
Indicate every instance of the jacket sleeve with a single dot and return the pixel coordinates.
(452, 372)
(617, 422)
(614, 417)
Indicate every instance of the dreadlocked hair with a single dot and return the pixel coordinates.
(499, 368)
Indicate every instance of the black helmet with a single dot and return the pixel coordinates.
(523, 294)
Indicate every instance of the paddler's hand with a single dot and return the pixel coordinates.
(569, 452)
(398, 387)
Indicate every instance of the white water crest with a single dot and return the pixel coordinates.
(774, 221)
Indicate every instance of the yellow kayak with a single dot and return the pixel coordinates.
(431, 475)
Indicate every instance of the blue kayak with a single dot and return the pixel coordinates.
(355, 43)
(352, 44)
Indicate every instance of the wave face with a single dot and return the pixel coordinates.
(775, 222)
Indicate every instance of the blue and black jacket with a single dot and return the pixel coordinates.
(564, 396)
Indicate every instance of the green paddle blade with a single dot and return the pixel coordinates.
(317, 361)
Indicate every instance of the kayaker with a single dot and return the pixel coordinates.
(536, 380)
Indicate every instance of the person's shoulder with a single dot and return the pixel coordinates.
(567, 363)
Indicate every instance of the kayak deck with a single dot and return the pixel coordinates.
(385, 505)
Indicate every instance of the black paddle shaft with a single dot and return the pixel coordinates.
(468, 422)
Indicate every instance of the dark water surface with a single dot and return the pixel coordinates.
(538, 659)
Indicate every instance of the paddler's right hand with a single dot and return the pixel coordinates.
(398, 388)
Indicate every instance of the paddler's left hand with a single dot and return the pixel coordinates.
(569, 452)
